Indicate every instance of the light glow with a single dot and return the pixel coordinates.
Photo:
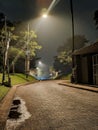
(44, 16)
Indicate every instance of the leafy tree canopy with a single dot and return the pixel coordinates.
(65, 50)
(27, 41)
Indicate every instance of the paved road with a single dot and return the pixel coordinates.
(56, 107)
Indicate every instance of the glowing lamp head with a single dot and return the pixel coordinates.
(44, 16)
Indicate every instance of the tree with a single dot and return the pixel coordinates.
(64, 51)
(96, 18)
(64, 58)
(14, 54)
(2, 18)
(19, 44)
(61, 67)
(29, 46)
(1, 43)
(6, 35)
(79, 42)
(1, 57)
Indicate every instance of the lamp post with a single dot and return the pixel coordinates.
(72, 17)
(73, 47)
(27, 59)
(44, 15)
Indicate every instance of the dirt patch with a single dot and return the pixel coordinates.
(18, 114)
(16, 102)
(14, 113)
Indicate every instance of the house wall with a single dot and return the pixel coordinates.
(95, 69)
(84, 68)
(86, 65)
(78, 69)
(90, 69)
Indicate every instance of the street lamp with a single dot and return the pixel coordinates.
(44, 16)
(73, 47)
(71, 7)
(40, 63)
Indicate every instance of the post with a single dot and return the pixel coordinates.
(72, 18)
(13, 67)
(27, 60)
(73, 47)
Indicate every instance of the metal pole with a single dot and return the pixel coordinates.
(73, 47)
(27, 62)
(71, 7)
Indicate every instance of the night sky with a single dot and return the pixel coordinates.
(54, 31)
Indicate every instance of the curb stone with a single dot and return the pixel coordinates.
(5, 107)
(5, 104)
(83, 87)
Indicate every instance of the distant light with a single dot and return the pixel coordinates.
(40, 63)
(44, 16)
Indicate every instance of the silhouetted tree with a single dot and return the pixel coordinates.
(61, 67)
(63, 60)
(96, 18)
(79, 42)
(64, 51)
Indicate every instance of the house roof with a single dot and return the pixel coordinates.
(87, 50)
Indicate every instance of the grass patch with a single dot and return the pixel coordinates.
(21, 78)
(0, 78)
(15, 80)
(3, 91)
(66, 77)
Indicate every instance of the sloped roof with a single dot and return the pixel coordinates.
(87, 50)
